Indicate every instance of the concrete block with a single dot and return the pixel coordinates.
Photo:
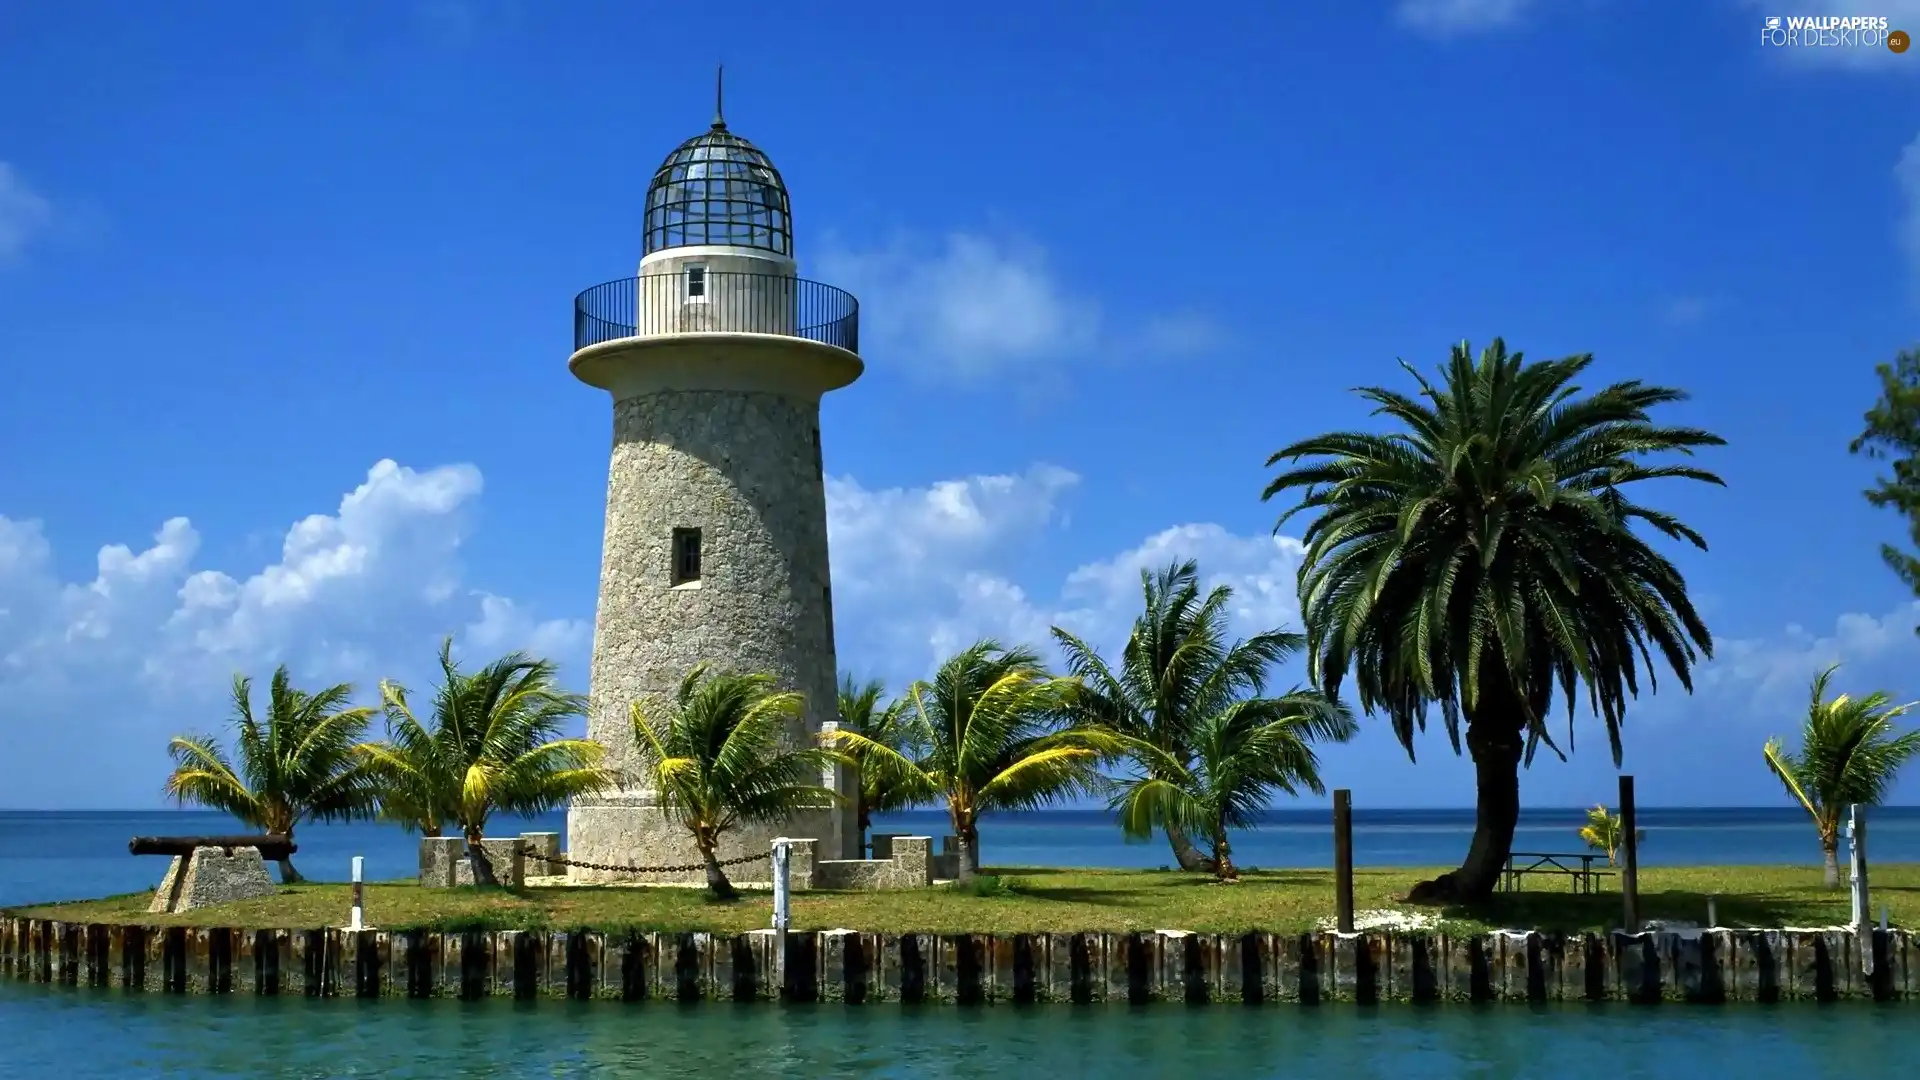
(211, 876)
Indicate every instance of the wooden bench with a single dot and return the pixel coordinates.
(1578, 869)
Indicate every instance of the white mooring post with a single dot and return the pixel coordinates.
(1862, 910)
(782, 897)
(358, 923)
(782, 908)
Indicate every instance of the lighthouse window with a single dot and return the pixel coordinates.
(819, 465)
(686, 556)
(696, 282)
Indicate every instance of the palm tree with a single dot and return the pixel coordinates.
(298, 766)
(865, 710)
(988, 736)
(1238, 755)
(494, 743)
(1849, 753)
(1605, 831)
(1177, 672)
(719, 756)
(1482, 558)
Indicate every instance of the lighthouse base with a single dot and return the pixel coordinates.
(632, 831)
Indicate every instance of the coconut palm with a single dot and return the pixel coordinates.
(299, 765)
(865, 710)
(1849, 753)
(1237, 756)
(493, 743)
(719, 756)
(989, 735)
(1605, 831)
(1482, 558)
(1177, 671)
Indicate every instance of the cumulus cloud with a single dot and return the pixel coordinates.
(970, 305)
(920, 573)
(25, 214)
(1448, 18)
(146, 647)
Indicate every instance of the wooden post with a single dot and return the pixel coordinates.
(1629, 858)
(1343, 860)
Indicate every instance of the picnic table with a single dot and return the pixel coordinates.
(1579, 869)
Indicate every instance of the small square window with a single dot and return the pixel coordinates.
(696, 282)
(686, 557)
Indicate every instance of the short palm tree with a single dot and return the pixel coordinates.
(720, 756)
(299, 765)
(494, 743)
(1238, 755)
(1605, 831)
(1849, 753)
(1481, 556)
(865, 709)
(989, 735)
(1177, 672)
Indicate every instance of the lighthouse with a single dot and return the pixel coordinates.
(716, 355)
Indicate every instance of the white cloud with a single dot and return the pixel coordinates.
(1906, 173)
(25, 214)
(920, 573)
(147, 646)
(1447, 18)
(972, 305)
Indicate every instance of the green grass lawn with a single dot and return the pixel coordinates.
(1045, 899)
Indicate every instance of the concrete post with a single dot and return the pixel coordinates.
(359, 897)
(1861, 912)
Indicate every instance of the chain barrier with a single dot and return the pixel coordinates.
(610, 868)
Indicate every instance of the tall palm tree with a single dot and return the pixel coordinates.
(989, 735)
(299, 765)
(1236, 756)
(494, 744)
(864, 709)
(1482, 557)
(719, 756)
(1177, 671)
(1849, 753)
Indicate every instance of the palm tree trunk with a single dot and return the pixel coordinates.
(478, 862)
(1223, 868)
(863, 820)
(1184, 853)
(288, 875)
(1830, 848)
(1495, 743)
(717, 882)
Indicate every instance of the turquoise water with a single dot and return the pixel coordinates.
(75, 1035)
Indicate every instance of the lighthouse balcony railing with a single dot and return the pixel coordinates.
(716, 302)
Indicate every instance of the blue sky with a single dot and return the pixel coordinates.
(249, 253)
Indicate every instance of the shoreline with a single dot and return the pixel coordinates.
(1715, 966)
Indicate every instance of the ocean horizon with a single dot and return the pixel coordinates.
(52, 855)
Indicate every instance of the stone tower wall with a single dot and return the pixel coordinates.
(744, 468)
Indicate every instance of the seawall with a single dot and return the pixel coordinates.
(841, 965)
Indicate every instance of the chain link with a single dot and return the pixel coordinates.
(610, 868)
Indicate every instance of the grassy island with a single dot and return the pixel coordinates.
(1038, 899)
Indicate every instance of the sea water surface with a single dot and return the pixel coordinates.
(82, 1034)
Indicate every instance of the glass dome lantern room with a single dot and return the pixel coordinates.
(718, 188)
